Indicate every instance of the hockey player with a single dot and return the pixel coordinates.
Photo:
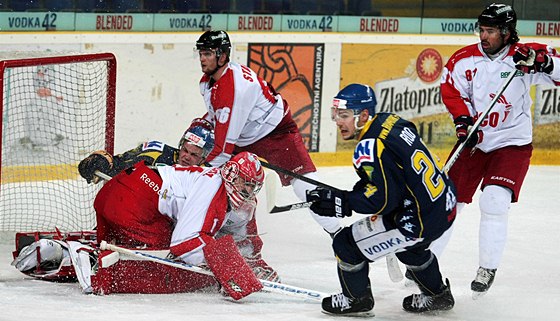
(470, 80)
(194, 147)
(248, 115)
(164, 208)
(407, 196)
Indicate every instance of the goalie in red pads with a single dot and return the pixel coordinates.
(158, 208)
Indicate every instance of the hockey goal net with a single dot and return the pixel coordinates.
(56, 109)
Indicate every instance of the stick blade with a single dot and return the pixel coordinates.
(271, 185)
(393, 268)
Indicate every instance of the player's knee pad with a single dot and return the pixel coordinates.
(495, 200)
(348, 255)
(416, 257)
(422, 263)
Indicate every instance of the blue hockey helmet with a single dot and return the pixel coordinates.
(198, 136)
(356, 97)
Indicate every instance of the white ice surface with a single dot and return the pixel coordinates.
(527, 285)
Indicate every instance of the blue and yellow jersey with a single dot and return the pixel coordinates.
(152, 153)
(400, 178)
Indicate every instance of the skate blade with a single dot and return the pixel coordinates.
(477, 295)
(367, 314)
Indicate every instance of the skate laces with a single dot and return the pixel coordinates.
(484, 276)
(421, 300)
(340, 301)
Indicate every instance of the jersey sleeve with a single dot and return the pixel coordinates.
(152, 153)
(197, 216)
(455, 84)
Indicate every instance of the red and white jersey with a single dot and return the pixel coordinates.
(470, 81)
(195, 199)
(242, 107)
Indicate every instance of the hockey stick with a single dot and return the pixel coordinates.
(296, 175)
(268, 286)
(393, 268)
(270, 187)
(291, 207)
(480, 119)
(102, 175)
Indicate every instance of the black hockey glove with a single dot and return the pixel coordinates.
(97, 161)
(327, 202)
(462, 124)
(530, 61)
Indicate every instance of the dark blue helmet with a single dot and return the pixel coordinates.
(356, 97)
(199, 136)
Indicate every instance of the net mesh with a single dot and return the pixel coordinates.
(54, 113)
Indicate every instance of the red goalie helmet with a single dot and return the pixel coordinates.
(243, 176)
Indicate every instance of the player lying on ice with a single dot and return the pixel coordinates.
(183, 208)
(55, 262)
(194, 147)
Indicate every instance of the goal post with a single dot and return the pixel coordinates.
(56, 108)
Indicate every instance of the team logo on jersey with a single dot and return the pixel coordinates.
(364, 152)
(153, 145)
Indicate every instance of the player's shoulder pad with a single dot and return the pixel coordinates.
(463, 53)
(153, 145)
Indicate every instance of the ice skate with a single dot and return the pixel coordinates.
(339, 304)
(422, 302)
(482, 282)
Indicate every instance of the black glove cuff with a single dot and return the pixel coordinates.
(464, 120)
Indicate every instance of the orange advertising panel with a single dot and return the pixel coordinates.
(296, 72)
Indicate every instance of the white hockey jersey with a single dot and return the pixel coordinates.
(242, 107)
(470, 81)
(195, 199)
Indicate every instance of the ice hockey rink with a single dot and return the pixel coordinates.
(527, 285)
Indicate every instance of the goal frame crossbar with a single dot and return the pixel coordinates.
(63, 59)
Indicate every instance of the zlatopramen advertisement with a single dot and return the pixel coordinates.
(406, 82)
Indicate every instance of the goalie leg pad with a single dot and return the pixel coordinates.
(144, 277)
(230, 269)
(80, 255)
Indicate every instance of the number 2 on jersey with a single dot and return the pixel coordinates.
(431, 177)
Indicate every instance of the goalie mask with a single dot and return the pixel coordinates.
(243, 177)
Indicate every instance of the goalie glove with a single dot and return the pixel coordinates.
(530, 61)
(328, 202)
(97, 161)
